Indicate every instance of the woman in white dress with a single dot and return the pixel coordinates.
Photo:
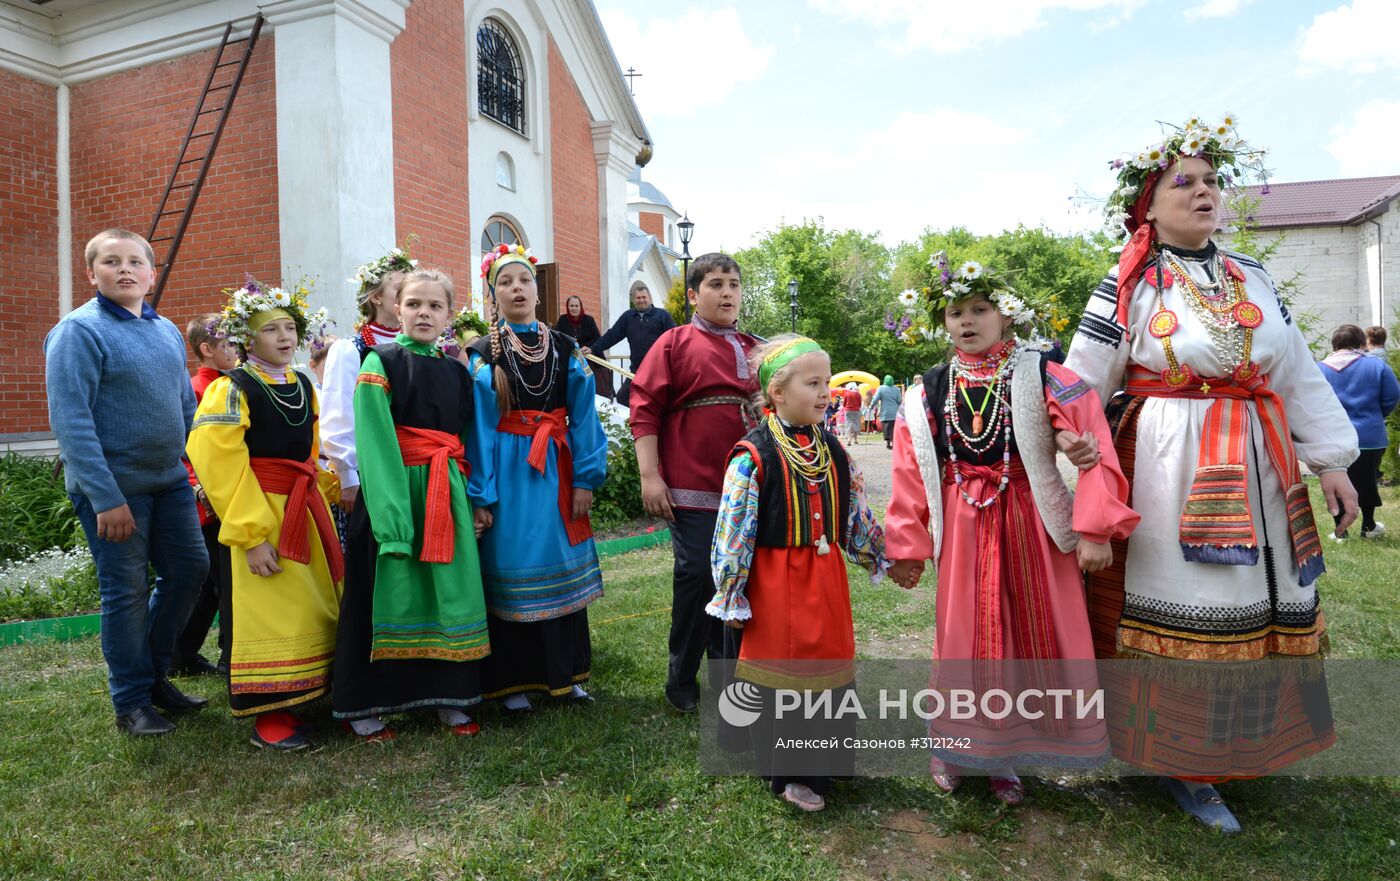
(1221, 401)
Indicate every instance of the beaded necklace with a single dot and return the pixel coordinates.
(812, 462)
(999, 423)
(283, 399)
(516, 351)
(1229, 318)
(370, 338)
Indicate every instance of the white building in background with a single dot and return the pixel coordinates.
(1341, 240)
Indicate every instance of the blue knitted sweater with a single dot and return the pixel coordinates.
(120, 403)
(1368, 391)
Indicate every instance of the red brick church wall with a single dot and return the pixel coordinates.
(429, 70)
(29, 241)
(577, 246)
(126, 134)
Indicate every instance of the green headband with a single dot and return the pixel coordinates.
(501, 262)
(784, 355)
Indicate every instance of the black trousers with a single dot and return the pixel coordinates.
(693, 633)
(211, 594)
(1363, 473)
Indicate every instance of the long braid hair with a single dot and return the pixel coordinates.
(500, 379)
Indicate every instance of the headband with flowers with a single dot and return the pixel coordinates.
(370, 274)
(1035, 322)
(1220, 144)
(494, 259)
(249, 306)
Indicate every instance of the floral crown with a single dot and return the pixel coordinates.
(371, 273)
(254, 297)
(1036, 322)
(1220, 144)
(503, 251)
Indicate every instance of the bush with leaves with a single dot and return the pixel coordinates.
(48, 584)
(619, 500)
(35, 513)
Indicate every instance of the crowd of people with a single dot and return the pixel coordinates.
(413, 535)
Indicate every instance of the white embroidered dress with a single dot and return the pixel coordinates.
(1209, 611)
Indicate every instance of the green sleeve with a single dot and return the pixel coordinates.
(383, 476)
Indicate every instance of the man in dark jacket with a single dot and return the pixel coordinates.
(640, 326)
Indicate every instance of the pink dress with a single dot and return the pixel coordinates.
(1005, 591)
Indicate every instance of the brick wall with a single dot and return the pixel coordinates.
(574, 172)
(126, 134)
(28, 240)
(430, 139)
(653, 223)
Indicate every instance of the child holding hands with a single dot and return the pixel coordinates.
(976, 490)
(791, 495)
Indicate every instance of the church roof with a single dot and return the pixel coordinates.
(1321, 202)
(639, 190)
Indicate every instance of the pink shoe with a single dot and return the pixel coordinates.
(944, 779)
(1009, 790)
(801, 795)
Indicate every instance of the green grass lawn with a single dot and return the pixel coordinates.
(613, 790)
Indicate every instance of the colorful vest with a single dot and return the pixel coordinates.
(787, 503)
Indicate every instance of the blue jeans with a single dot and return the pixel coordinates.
(139, 624)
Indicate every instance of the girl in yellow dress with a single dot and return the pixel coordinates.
(255, 448)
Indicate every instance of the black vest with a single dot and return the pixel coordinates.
(562, 350)
(426, 392)
(785, 498)
(271, 432)
(935, 397)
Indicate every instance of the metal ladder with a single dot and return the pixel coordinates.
(197, 152)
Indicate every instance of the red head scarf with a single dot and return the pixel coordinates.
(582, 312)
(1136, 253)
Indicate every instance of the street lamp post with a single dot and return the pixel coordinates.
(792, 302)
(687, 229)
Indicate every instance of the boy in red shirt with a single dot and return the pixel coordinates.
(691, 402)
(216, 357)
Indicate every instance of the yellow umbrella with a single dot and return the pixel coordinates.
(866, 381)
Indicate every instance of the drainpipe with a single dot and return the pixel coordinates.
(1380, 271)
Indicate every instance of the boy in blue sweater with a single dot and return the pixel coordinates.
(120, 405)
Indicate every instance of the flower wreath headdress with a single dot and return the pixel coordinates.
(502, 254)
(369, 274)
(1034, 321)
(1220, 144)
(240, 317)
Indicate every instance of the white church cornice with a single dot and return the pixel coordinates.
(101, 39)
(579, 33)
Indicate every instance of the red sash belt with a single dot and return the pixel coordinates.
(297, 481)
(1216, 524)
(424, 446)
(543, 427)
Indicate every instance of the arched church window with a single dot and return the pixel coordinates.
(499, 230)
(500, 76)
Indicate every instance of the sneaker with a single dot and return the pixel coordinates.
(1375, 531)
(1338, 539)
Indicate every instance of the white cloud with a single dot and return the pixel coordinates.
(935, 169)
(1358, 38)
(1367, 145)
(955, 27)
(1215, 9)
(680, 69)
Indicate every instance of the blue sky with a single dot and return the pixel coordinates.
(896, 115)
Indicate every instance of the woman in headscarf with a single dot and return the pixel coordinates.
(577, 323)
(1221, 402)
(885, 403)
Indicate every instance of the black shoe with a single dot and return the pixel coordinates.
(196, 666)
(166, 696)
(681, 701)
(144, 722)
